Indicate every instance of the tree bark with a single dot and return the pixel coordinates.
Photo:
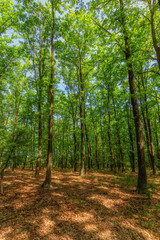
(142, 175)
(121, 155)
(47, 181)
(82, 170)
(87, 141)
(103, 145)
(96, 140)
(112, 158)
(131, 153)
(154, 37)
(75, 145)
(145, 127)
(2, 170)
(153, 162)
(25, 161)
(38, 163)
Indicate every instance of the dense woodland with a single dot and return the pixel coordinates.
(80, 86)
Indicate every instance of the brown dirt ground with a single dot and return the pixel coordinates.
(93, 207)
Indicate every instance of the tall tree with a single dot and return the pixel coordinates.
(47, 181)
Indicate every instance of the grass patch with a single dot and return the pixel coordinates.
(128, 180)
(151, 189)
(55, 185)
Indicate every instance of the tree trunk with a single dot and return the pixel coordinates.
(157, 145)
(154, 37)
(66, 162)
(153, 162)
(82, 170)
(2, 174)
(96, 139)
(142, 175)
(121, 155)
(103, 146)
(87, 141)
(38, 163)
(145, 128)
(112, 158)
(3, 167)
(47, 181)
(25, 161)
(131, 153)
(1, 182)
(96, 150)
(14, 161)
(75, 145)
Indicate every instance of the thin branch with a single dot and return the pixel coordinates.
(152, 71)
(107, 31)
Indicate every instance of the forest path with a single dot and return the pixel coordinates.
(93, 207)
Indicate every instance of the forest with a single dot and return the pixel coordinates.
(79, 119)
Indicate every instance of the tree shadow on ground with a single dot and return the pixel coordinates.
(74, 208)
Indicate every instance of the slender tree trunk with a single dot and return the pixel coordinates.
(13, 161)
(121, 155)
(1, 159)
(87, 141)
(83, 169)
(90, 149)
(131, 153)
(25, 161)
(158, 150)
(66, 162)
(96, 150)
(1, 182)
(142, 175)
(2, 174)
(2, 170)
(74, 138)
(112, 158)
(31, 163)
(96, 140)
(75, 145)
(47, 181)
(38, 163)
(62, 155)
(158, 108)
(156, 135)
(153, 161)
(154, 37)
(112, 163)
(145, 127)
(2, 164)
(103, 146)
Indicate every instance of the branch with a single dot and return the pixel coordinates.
(152, 71)
(146, 17)
(155, 96)
(107, 31)
(103, 4)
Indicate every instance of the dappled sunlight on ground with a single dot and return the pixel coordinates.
(75, 208)
(134, 227)
(45, 226)
(106, 234)
(108, 203)
(91, 227)
(5, 233)
(77, 217)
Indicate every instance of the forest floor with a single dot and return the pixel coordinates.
(95, 207)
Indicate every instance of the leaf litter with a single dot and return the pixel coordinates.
(76, 208)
